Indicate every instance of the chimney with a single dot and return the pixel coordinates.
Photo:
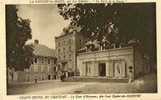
(36, 42)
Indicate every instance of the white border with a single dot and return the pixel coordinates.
(144, 96)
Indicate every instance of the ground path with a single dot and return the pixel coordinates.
(60, 90)
(146, 84)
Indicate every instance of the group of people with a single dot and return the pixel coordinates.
(63, 76)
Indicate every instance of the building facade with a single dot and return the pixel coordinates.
(66, 51)
(90, 58)
(116, 63)
(44, 63)
(43, 66)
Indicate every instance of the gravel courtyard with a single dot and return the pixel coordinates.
(146, 84)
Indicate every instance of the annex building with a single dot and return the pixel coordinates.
(116, 63)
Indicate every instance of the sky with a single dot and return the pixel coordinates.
(46, 23)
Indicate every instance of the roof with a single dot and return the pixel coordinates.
(42, 50)
(71, 31)
(62, 35)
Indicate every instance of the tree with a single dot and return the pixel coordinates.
(92, 18)
(18, 31)
(118, 22)
(138, 22)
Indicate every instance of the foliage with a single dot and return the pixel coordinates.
(18, 31)
(118, 22)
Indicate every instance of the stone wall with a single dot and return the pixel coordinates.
(41, 70)
(142, 65)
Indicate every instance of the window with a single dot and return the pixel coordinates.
(69, 55)
(70, 41)
(63, 49)
(80, 41)
(70, 48)
(54, 69)
(86, 69)
(42, 60)
(48, 61)
(54, 60)
(89, 70)
(59, 44)
(58, 51)
(59, 57)
(35, 60)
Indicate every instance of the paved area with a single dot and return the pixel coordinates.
(146, 84)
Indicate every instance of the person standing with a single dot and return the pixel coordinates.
(130, 74)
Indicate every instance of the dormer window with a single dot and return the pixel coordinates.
(48, 61)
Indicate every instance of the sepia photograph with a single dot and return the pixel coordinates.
(90, 48)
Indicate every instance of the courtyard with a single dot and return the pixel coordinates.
(146, 84)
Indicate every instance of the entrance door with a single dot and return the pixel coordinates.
(102, 69)
(49, 77)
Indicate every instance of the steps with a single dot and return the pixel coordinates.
(94, 79)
